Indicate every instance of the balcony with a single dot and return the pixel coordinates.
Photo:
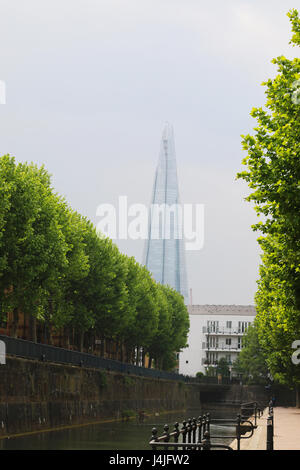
(206, 362)
(224, 332)
(217, 348)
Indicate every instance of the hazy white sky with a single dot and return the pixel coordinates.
(90, 84)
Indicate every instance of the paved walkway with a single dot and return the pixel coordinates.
(259, 439)
(286, 428)
(286, 431)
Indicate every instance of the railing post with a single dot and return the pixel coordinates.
(189, 430)
(270, 407)
(166, 434)
(208, 422)
(183, 431)
(194, 427)
(206, 441)
(154, 437)
(203, 424)
(176, 432)
(270, 432)
(238, 431)
(200, 428)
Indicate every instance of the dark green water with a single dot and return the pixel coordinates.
(107, 436)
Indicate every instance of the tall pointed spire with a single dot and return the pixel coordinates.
(164, 250)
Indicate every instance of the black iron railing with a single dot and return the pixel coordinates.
(195, 434)
(44, 352)
(270, 428)
(251, 408)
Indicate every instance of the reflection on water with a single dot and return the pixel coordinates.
(107, 436)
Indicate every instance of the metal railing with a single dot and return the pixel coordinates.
(251, 409)
(270, 428)
(195, 434)
(44, 352)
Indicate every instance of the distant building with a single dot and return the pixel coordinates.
(164, 253)
(216, 331)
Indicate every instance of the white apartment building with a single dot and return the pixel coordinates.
(216, 331)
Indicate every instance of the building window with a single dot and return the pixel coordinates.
(243, 325)
(213, 342)
(228, 341)
(212, 326)
(229, 325)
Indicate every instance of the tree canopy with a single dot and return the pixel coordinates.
(251, 362)
(273, 175)
(57, 269)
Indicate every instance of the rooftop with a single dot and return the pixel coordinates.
(247, 310)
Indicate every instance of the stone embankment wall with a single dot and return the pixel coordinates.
(39, 395)
(36, 395)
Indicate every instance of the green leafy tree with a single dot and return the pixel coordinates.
(273, 175)
(161, 347)
(199, 375)
(33, 250)
(223, 367)
(56, 269)
(210, 371)
(180, 323)
(112, 295)
(147, 311)
(251, 362)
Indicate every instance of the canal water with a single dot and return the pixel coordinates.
(108, 436)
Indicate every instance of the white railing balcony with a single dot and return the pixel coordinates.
(225, 332)
(220, 348)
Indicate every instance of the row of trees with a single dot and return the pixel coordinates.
(57, 269)
(273, 174)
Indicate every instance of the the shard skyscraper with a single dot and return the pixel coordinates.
(164, 253)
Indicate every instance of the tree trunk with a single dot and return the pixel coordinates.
(121, 352)
(150, 362)
(143, 357)
(66, 334)
(127, 357)
(32, 328)
(48, 328)
(136, 356)
(15, 322)
(46, 333)
(81, 339)
(91, 342)
(102, 348)
(117, 350)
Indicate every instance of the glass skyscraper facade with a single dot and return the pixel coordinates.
(164, 253)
